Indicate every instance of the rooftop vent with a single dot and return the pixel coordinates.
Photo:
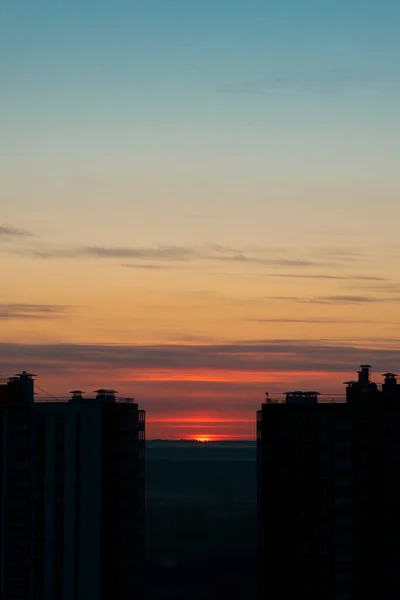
(76, 395)
(24, 375)
(390, 378)
(364, 374)
(105, 395)
(23, 387)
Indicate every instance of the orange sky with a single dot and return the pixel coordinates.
(196, 330)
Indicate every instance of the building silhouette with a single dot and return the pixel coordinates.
(329, 493)
(71, 496)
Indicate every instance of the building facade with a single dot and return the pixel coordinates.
(329, 493)
(72, 496)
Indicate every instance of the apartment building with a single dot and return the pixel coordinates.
(72, 495)
(329, 493)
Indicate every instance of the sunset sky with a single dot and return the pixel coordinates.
(200, 200)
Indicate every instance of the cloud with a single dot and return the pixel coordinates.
(159, 252)
(30, 311)
(198, 378)
(326, 276)
(146, 266)
(340, 299)
(236, 357)
(347, 299)
(156, 253)
(340, 253)
(212, 252)
(385, 286)
(311, 320)
(180, 255)
(244, 258)
(7, 231)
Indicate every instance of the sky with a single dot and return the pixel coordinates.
(199, 201)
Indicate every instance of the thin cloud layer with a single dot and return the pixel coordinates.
(148, 267)
(30, 311)
(321, 321)
(158, 253)
(327, 276)
(8, 231)
(256, 356)
(175, 254)
(337, 299)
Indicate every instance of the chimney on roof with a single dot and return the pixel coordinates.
(364, 375)
(76, 396)
(104, 395)
(22, 386)
(390, 379)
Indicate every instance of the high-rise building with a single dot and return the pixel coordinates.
(71, 496)
(329, 493)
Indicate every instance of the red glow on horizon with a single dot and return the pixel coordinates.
(191, 403)
(210, 437)
(194, 421)
(218, 376)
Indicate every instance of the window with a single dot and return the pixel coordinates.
(343, 577)
(342, 426)
(343, 481)
(344, 501)
(304, 548)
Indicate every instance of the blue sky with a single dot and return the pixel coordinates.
(167, 60)
(247, 100)
(287, 96)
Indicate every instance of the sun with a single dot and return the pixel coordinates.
(204, 437)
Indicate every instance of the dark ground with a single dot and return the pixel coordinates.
(201, 520)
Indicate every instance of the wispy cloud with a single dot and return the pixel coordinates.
(347, 299)
(147, 267)
(179, 253)
(8, 231)
(256, 355)
(326, 276)
(340, 253)
(31, 311)
(311, 263)
(392, 287)
(156, 253)
(339, 299)
(321, 321)
(241, 257)
(290, 320)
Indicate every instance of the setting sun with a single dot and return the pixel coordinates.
(204, 438)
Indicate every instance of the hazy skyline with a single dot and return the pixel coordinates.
(200, 202)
